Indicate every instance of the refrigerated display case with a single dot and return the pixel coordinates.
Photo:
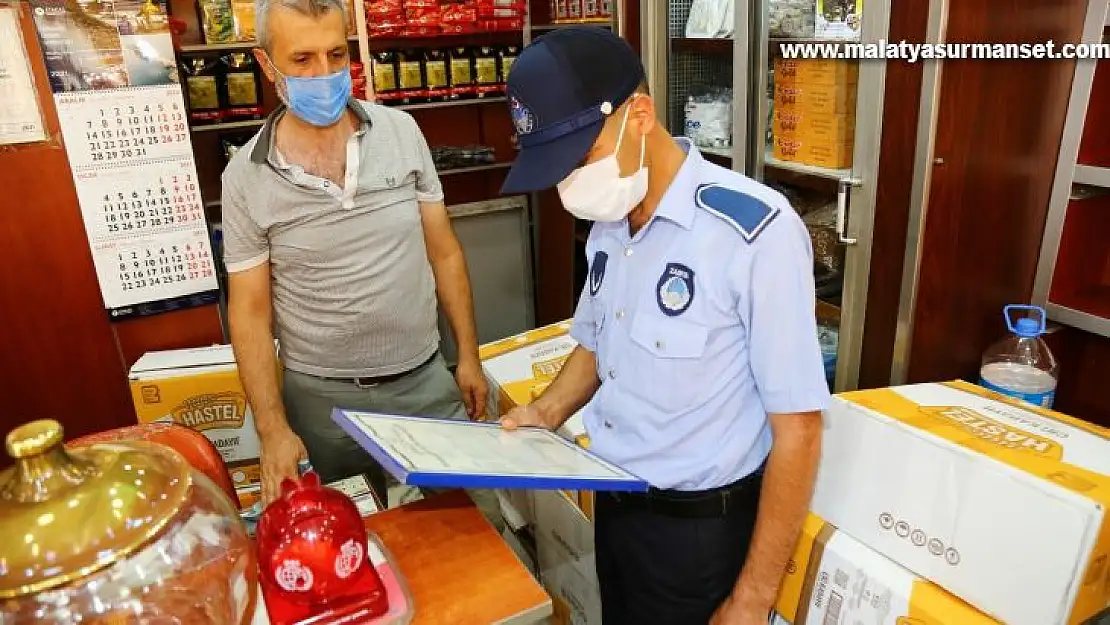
(810, 129)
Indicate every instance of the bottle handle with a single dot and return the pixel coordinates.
(1042, 317)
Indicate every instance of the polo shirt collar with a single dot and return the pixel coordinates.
(261, 151)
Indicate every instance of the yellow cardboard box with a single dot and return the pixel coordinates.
(200, 388)
(829, 72)
(824, 128)
(815, 98)
(801, 150)
(1000, 503)
(833, 578)
(519, 368)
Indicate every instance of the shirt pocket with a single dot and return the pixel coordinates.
(668, 369)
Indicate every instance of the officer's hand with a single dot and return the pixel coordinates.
(524, 416)
(281, 450)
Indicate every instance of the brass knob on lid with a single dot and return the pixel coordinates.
(34, 438)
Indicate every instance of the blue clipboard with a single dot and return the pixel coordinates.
(449, 453)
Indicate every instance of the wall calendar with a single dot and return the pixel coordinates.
(123, 118)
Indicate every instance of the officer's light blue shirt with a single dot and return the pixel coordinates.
(702, 324)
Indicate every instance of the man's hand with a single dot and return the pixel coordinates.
(527, 415)
(281, 450)
(735, 612)
(472, 385)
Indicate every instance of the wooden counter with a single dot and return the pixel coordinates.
(459, 570)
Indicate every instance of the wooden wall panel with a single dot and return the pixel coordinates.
(908, 21)
(998, 134)
(1084, 362)
(62, 358)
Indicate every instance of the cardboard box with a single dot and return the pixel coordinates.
(826, 128)
(518, 369)
(200, 388)
(801, 150)
(1000, 503)
(829, 72)
(834, 579)
(566, 560)
(815, 99)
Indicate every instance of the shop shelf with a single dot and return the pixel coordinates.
(475, 168)
(250, 123)
(1093, 176)
(448, 103)
(488, 38)
(702, 46)
(808, 170)
(1081, 280)
(1094, 149)
(200, 48)
(718, 152)
(544, 27)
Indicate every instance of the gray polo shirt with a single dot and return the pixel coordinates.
(353, 291)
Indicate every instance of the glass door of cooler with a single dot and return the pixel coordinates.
(810, 128)
(815, 129)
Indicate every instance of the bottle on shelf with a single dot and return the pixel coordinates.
(1021, 365)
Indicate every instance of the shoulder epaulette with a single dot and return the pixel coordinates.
(749, 215)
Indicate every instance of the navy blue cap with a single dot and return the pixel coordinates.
(560, 90)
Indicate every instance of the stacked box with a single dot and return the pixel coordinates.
(814, 111)
(566, 560)
(200, 388)
(518, 369)
(834, 579)
(1001, 503)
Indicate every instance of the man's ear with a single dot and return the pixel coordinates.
(264, 62)
(643, 111)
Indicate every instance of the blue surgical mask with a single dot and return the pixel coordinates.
(318, 100)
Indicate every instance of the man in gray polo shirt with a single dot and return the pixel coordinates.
(336, 236)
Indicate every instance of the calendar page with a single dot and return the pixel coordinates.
(114, 76)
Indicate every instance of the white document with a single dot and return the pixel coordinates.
(437, 452)
(20, 116)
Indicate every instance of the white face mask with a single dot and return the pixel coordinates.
(597, 192)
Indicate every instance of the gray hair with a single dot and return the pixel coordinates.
(312, 8)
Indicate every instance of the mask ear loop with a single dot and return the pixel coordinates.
(620, 133)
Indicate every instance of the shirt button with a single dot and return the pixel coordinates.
(659, 345)
(627, 251)
(612, 374)
(620, 314)
(608, 425)
(327, 184)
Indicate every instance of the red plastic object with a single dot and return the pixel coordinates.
(194, 446)
(312, 558)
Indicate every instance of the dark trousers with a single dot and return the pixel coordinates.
(656, 567)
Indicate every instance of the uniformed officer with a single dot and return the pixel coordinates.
(698, 362)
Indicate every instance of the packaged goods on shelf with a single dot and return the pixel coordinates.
(836, 99)
(838, 19)
(388, 19)
(410, 75)
(462, 72)
(244, 86)
(791, 19)
(358, 81)
(1001, 503)
(710, 19)
(709, 118)
(807, 152)
(487, 74)
(832, 578)
(827, 250)
(816, 71)
(436, 79)
(242, 13)
(205, 89)
(506, 56)
(450, 157)
(217, 21)
(822, 128)
(383, 68)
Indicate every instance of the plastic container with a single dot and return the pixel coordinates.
(1021, 365)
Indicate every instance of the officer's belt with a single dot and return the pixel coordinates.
(698, 504)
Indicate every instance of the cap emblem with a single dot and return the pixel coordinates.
(523, 118)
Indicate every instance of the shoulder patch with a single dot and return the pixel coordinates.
(748, 215)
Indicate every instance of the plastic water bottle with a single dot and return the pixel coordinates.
(1021, 365)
